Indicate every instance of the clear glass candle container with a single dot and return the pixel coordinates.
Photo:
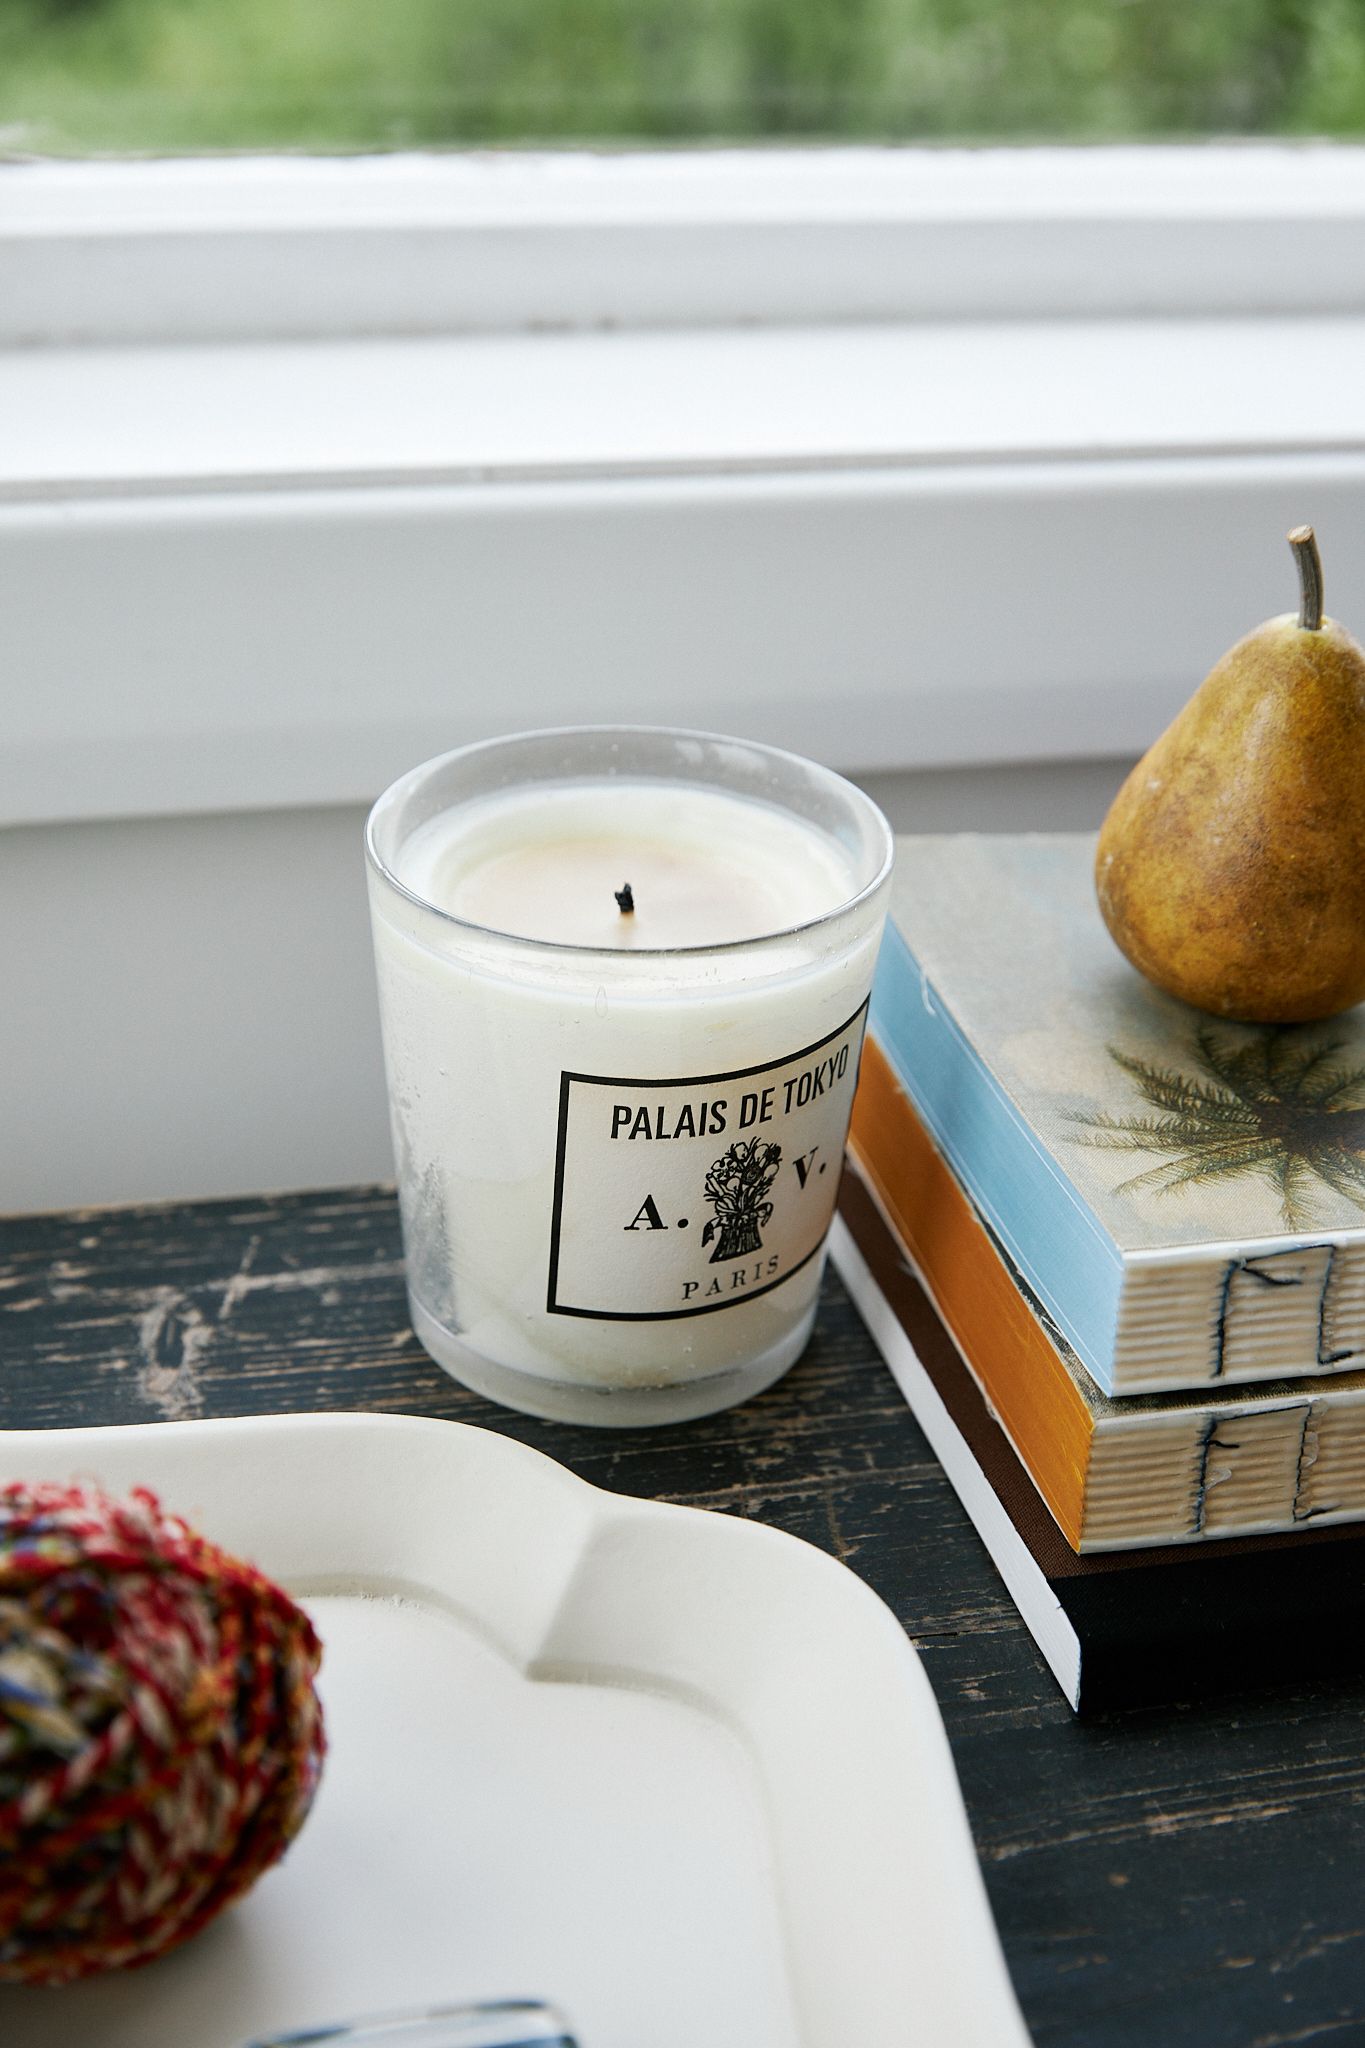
(618, 1160)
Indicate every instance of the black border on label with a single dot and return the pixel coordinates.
(673, 1315)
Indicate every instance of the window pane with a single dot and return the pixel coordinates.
(78, 75)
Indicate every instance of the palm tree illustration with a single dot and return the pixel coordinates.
(1271, 1105)
(737, 1188)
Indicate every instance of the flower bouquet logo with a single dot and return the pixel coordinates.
(737, 1187)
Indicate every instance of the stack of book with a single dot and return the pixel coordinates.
(1114, 1252)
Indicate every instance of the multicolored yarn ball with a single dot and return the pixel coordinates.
(160, 1737)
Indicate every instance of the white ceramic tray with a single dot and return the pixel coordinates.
(677, 1772)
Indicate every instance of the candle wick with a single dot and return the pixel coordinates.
(625, 899)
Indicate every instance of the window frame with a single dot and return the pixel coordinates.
(276, 247)
(220, 643)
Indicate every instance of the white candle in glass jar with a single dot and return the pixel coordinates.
(619, 1129)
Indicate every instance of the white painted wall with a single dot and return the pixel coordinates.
(188, 1003)
(188, 1009)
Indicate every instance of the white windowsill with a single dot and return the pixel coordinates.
(276, 247)
(482, 410)
(901, 458)
(1238, 180)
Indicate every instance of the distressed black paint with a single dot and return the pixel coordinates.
(1183, 1877)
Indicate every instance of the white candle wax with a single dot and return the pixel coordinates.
(619, 1133)
(705, 868)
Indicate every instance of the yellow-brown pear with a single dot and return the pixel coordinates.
(1231, 866)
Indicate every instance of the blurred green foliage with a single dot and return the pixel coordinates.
(91, 75)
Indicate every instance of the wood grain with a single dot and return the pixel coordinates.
(1189, 1877)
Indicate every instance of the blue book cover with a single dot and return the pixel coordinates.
(1185, 1196)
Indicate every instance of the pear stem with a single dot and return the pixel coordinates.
(1309, 562)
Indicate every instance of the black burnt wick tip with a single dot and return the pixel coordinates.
(625, 900)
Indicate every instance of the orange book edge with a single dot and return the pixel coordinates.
(1006, 1348)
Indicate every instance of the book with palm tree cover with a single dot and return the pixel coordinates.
(1143, 1470)
(1184, 1196)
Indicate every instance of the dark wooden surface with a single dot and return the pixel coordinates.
(1190, 1876)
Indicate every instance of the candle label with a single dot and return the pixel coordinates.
(678, 1198)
